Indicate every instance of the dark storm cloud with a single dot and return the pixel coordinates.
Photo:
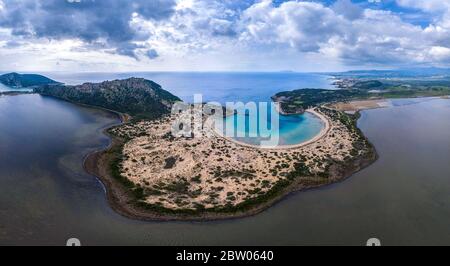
(88, 20)
(127, 49)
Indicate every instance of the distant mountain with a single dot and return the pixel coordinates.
(396, 73)
(138, 97)
(16, 80)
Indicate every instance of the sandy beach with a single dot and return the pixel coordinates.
(259, 170)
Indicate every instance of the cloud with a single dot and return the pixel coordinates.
(426, 5)
(209, 17)
(348, 9)
(128, 49)
(303, 25)
(347, 32)
(440, 53)
(196, 27)
(88, 20)
(220, 33)
(12, 44)
(152, 54)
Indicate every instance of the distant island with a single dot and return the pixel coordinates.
(15, 80)
(151, 175)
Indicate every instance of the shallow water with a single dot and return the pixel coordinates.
(46, 198)
(249, 127)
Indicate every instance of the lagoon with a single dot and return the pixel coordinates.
(255, 128)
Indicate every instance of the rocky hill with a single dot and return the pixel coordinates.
(137, 97)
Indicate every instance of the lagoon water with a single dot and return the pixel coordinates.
(46, 197)
(259, 129)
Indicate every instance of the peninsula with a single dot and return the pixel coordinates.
(137, 97)
(152, 175)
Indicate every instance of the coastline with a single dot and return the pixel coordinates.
(14, 93)
(122, 200)
(352, 107)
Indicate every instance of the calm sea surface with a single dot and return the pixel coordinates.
(220, 86)
(46, 198)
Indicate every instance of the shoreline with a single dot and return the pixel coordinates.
(97, 163)
(354, 106)
(15, 93)
(122, 200)
(323, 132)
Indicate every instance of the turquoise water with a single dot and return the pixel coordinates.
(286, 130)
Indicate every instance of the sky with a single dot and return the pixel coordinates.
(222, 35)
